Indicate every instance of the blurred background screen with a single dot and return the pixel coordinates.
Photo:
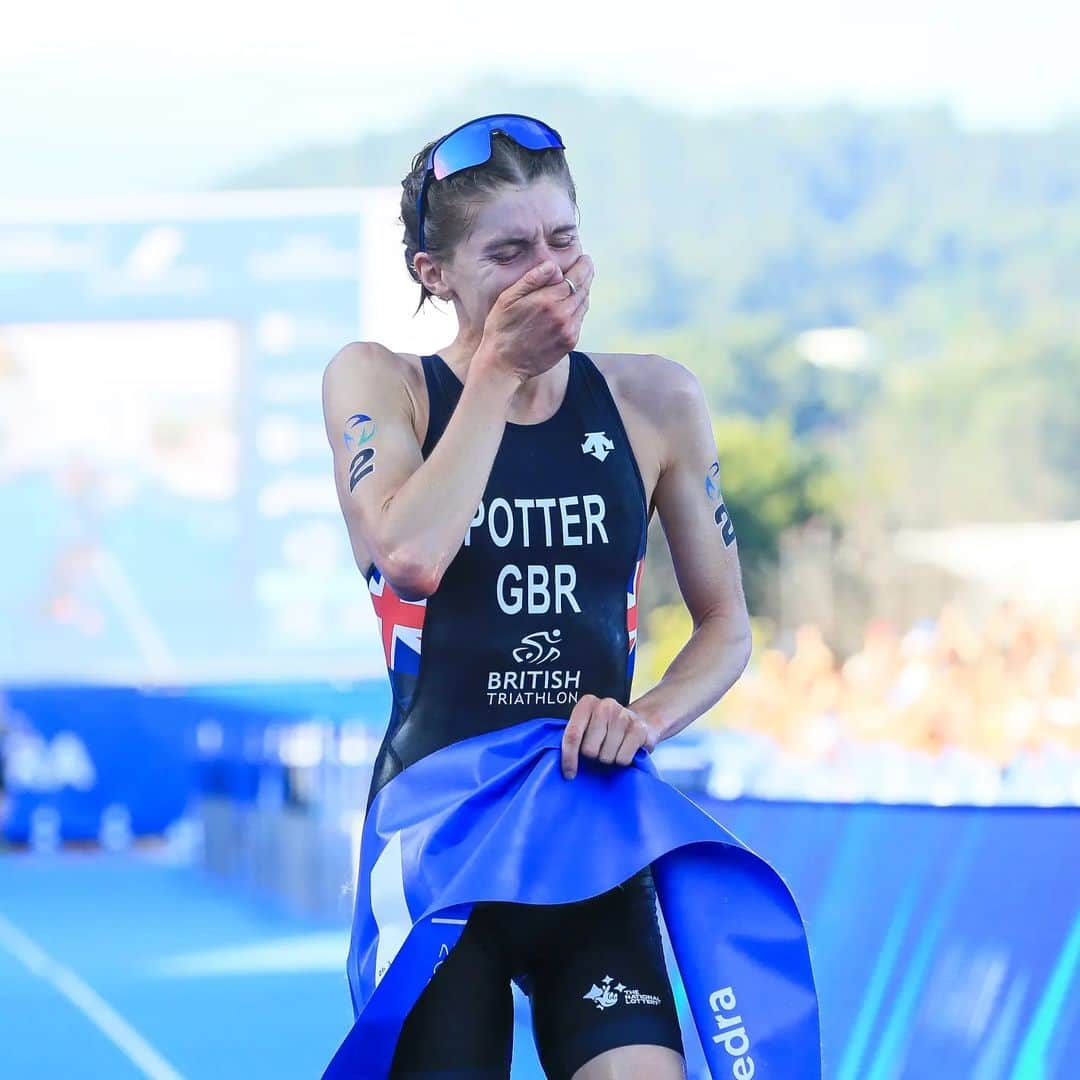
(163, 445)
(133, 427)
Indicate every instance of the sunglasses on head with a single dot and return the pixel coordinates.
(470, 144)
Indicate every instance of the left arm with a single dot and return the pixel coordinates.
(705, 555)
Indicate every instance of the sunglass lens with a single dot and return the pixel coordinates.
(472, 144)
(469, 146)
(532, 134)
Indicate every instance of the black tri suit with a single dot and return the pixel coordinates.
(538, 607)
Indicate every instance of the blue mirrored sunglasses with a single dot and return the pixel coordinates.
(470, 144)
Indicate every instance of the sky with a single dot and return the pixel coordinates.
(119, 97)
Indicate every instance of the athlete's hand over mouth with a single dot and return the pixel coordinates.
(536, 321)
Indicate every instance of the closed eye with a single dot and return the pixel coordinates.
(514, 255)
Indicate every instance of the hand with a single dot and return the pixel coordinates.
(536, 321)
(606, 730)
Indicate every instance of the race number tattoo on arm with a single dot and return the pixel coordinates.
(721, 517)
(361, 465)
(359, 431)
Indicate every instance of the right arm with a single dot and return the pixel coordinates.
(411, 515)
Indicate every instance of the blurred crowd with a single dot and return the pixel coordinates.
(950, 709)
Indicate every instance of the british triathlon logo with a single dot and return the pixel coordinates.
(534, 651)
(604, 998)
(597, 444)
(535, 686)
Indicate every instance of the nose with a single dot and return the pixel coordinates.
(545, 252)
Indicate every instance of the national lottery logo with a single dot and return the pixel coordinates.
(531, 650)
(606, 996)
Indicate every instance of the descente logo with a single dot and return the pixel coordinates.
(731, 1032)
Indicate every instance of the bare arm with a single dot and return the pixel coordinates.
(703, 549)
(412, 515)
(705, 555)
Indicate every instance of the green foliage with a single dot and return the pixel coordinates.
(718, 239)
(896, 219)
(988, 432)
(769, 482)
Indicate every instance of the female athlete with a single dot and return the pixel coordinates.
(497, 496)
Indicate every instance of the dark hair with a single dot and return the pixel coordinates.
(450, 204)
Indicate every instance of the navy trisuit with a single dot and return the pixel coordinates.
(538, 607)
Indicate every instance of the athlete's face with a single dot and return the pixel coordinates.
(514, 230)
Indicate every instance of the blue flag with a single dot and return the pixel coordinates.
(491, 817)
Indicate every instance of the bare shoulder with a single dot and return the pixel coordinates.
(650, 383)
(400, 369)
(372, 355)
(651, 390)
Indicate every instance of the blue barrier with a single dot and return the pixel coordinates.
(74, 752)
(78, 754)
(945, 941)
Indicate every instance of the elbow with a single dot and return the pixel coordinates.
(738, 642)
(412, 575)
(746, 640)
(748, 651)
(411, 578)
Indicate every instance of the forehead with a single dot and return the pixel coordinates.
(543, 205)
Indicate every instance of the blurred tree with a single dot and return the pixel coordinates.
(990, 431)
(769, 481)
(719, 239)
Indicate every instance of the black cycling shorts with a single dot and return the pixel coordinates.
(593, 971)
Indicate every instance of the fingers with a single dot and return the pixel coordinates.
(538, 277)
(570, 308)
(574, 308)
(547, 277)
(577, 314)
(581, 274)
(637, 736)
(573, 733)
(597, 730)
(605, 730)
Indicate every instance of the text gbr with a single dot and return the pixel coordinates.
(568, 521)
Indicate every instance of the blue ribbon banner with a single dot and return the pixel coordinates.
(491, 818)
